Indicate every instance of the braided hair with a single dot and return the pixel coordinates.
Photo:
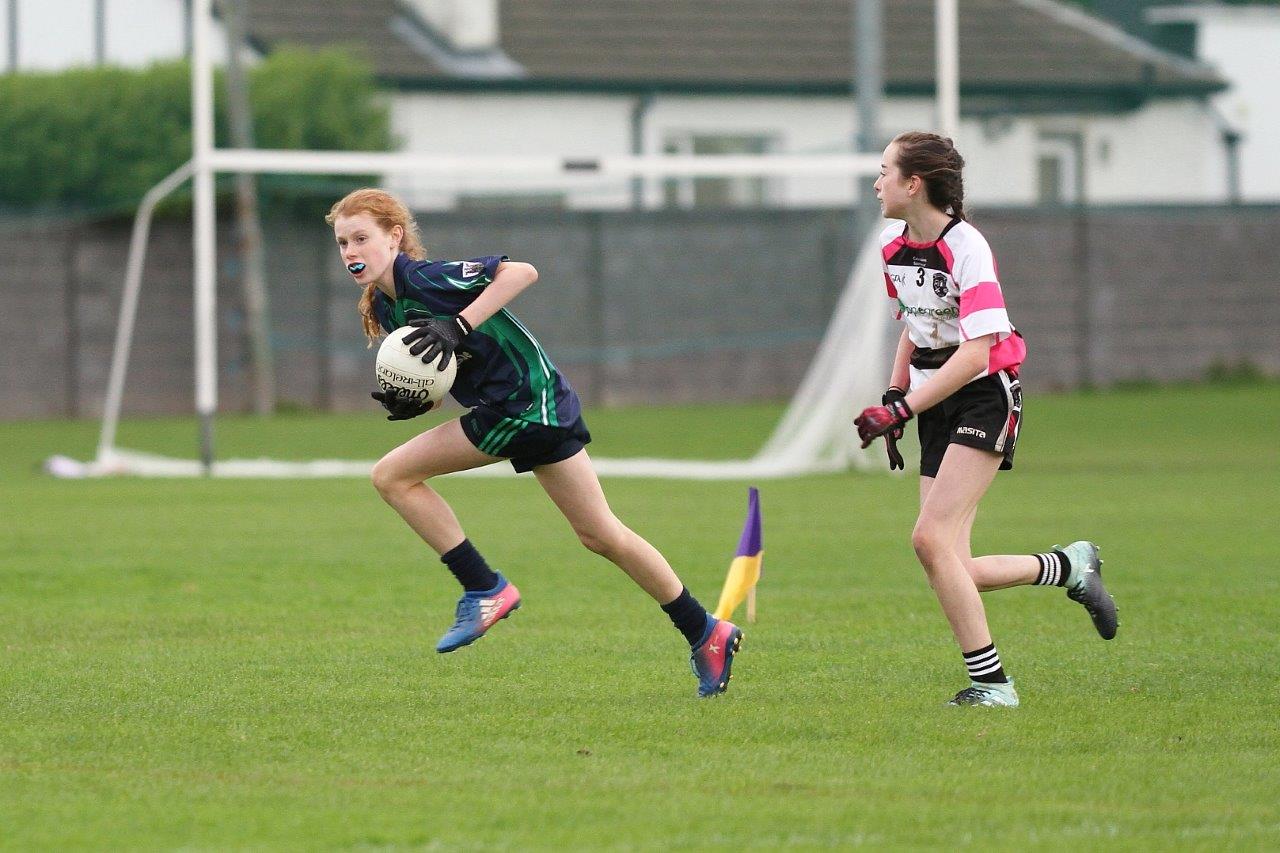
(935, 159)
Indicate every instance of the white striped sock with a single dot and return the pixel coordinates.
(982, 662)
(1051, 569)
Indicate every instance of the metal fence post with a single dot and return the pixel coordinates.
(324, 328)
(71, 305)
(596, 304)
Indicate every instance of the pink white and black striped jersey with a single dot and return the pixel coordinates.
(947, 292)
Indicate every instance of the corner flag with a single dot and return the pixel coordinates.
(744, 571)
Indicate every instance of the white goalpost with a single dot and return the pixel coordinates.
(814, 434)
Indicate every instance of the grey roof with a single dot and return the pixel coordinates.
(1020, 48)
(365, 26)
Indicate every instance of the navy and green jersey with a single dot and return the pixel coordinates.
(500, 364)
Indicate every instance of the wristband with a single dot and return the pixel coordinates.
(900, 410)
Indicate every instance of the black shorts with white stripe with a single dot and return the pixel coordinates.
(986, 414)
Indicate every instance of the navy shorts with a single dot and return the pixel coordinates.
(986, 414)
(526, 445)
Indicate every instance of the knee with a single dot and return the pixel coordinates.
(605, 541)
(386, 480)
(929, 542)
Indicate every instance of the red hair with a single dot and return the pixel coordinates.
(387, 211)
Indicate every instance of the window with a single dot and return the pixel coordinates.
(1058, 168)
(1049, 180)
(1176, 37)
(718, 192)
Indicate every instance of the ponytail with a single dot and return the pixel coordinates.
(368, 318)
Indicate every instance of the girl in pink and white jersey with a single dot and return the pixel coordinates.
(956, 372)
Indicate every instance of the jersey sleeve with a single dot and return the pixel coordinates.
(890, 240)
(454, 276)
(982, 310)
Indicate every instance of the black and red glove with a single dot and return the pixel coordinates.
(439, 336)
(876, 421)
(891, 437)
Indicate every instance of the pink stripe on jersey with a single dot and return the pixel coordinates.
(979, 297)
(1007, 355)
(947, 256)
(891, 248)
(888, 283)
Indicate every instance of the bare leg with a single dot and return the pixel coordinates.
(949, 503)
(1001, 571)
(994, 571)
(574, 488)
(399, 477)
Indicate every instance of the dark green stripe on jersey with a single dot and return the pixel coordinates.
(500, 364)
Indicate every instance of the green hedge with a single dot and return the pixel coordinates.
(97, 139)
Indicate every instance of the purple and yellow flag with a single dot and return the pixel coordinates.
(744, 571)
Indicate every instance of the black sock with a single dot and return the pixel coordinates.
(984, 665)
(1054, 569)
(687, 615)
(470, 568)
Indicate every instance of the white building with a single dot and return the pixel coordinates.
(1242, 43)
(1055, 105)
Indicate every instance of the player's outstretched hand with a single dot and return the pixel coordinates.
(438, 336)
(401, 406)
(892, 437)
(876, 421)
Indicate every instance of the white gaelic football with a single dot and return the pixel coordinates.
(396, 368)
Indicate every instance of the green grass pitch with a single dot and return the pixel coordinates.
(250, 664)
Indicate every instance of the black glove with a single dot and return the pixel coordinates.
(896, 462)
(437, 336)
(401, 406)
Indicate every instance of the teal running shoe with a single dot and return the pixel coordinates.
(1084, 586)
(988, 695)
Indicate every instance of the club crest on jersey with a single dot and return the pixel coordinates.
(939, 285)
(470, 268)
